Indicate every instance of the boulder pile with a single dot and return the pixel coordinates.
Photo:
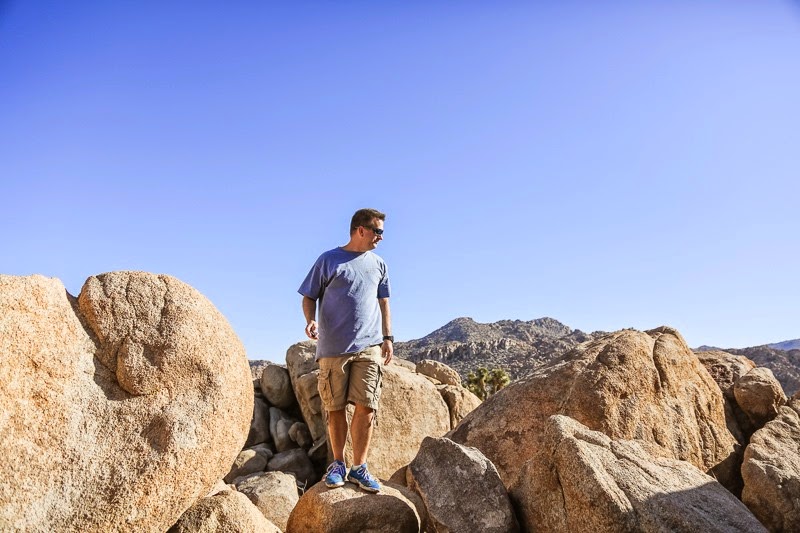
(131, 407)
(414, 405)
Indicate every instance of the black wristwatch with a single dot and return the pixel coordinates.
(388, 338)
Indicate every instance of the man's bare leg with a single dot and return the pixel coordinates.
(337, 432)
(361, 430)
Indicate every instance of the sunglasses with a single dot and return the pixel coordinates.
(376, 231)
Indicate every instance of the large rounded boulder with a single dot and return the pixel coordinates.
(628, 385)
(225, 512)
(759, 395)
(771, 470)
(581, 480)
(461, 489)
(395, 509)
(459, 400)
(120, 408)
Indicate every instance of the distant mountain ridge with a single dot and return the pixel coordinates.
(786, 345)
(520, 347)
(515, 345)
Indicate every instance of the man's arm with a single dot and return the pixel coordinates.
(387, 348)
(310, 312)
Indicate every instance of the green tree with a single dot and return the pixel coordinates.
(498, 379)
(483, 383)
(476, 382)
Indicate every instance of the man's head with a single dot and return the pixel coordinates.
(366, 227)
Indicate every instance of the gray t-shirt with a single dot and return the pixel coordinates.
(348, 285)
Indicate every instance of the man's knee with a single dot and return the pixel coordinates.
(337, 418)
(364, 414)
(363, 409)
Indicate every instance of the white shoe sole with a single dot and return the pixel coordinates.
(363, 487)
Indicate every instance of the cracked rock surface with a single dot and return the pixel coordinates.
(119, 408)
(771, 470)
(581, 480)
(460, 488)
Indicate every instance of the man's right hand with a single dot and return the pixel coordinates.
(311, 330)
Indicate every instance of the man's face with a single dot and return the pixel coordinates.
(371, 235)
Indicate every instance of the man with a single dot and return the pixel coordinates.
(354, 340)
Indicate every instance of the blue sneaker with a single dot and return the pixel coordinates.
(361, 477)
(334, 477)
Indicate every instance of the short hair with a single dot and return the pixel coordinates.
(363, 217)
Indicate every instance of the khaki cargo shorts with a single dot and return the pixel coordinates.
(351, 378)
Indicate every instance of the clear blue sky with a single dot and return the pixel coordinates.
(608, 164)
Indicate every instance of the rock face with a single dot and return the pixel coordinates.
(439, 371)
(218, 487)
(273, 493)
(247, 462)
(294, 462)
(771, 471)
(225, 512)
(580, 480)
(279, 426)
(256, 369)
(259, 425)
(759, 395)
(408, 365)
(460, 402)
(300, 435)
(263, 450)
(303, 372)
(395, 509)
(461, 489)
(628, 385)
(785, 364)
(726, 369)
(277, 386)
(121, 408)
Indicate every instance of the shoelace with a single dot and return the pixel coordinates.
(338, 468)
(365, 474)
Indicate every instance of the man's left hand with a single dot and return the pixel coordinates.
(387, 349)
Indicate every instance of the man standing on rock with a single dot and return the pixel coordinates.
(354, 340)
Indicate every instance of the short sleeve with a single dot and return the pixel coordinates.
(313, 284)
(384, 287)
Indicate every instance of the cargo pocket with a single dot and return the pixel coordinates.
(324, 387)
